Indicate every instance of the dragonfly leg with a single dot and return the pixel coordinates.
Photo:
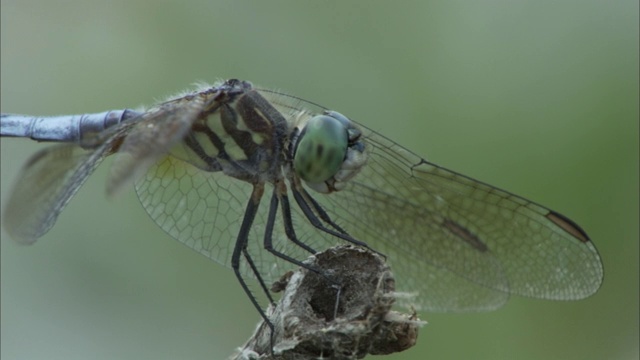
(268, 241)
(280, 194)
(323, 214)
(241, 249)
(303, 199)
(288, 225)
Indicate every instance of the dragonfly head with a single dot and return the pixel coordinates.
(328, 152)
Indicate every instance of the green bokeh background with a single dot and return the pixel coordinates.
(537, 97)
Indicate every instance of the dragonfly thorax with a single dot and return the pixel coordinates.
(240, 134)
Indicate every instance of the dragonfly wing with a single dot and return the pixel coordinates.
(464, 244)
(447, 274)
(45, 186)
(152, 136)
(50, 179)
(204, 211)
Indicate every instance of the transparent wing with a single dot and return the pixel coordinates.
(204, 210)
(48, 181)
(464, 245)
(53, 175)
(154, 133)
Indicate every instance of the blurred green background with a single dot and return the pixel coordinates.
(537, 97)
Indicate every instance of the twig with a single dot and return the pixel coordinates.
(309, 326)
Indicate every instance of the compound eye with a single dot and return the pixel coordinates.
(321, 149)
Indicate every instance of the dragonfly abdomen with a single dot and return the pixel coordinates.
(65, 128)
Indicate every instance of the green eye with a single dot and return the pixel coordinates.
(321, 149)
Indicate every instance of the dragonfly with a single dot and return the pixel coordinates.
(258, 180)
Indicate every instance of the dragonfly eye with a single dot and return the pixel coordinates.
(321, 149)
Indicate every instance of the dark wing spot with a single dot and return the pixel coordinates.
(464, 234)
(569, 226)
